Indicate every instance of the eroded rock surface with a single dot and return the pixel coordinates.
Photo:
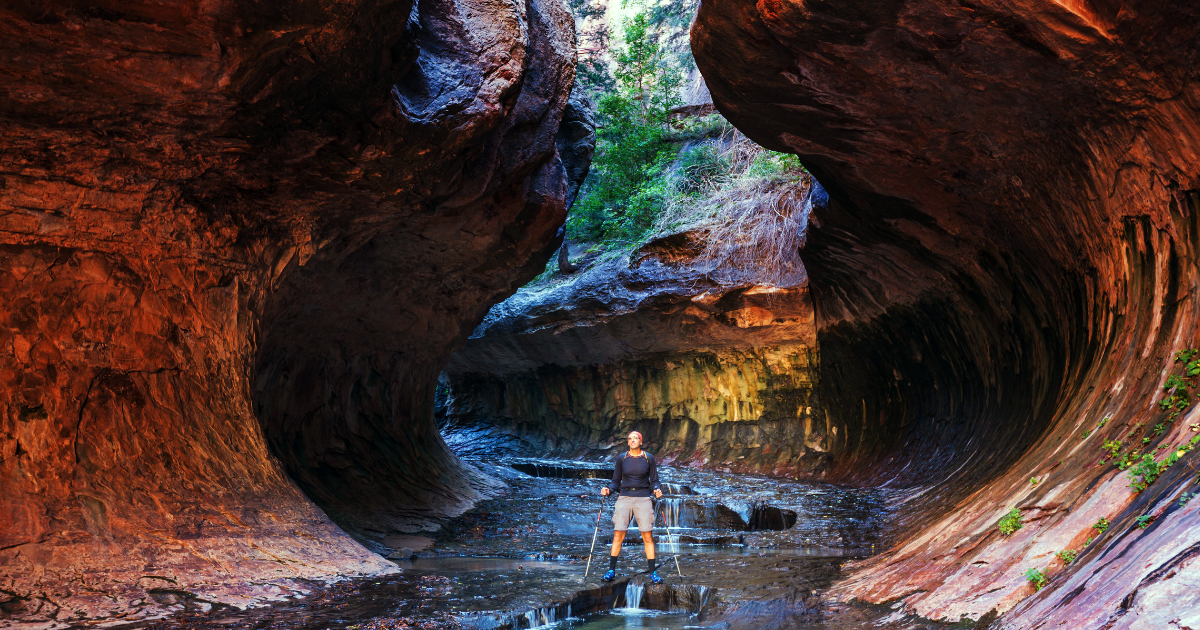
(713, 370)
(1009, 258)
(236, 243)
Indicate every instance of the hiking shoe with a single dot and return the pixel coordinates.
(654, 577)
(608, 577)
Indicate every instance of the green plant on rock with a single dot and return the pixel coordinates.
(1144, 521)
(1145, 471)
(1101, 525)
(700, 169)
(1010, 522)
(1067, 555)
(1185, 497)
(1033, 481)
(1099, 425)
(1188, 358)
(1178, 386)
(625, 190)
(1036, 578)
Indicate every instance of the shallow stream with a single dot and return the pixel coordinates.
(735, 550)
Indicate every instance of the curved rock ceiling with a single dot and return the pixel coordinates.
(1009, 258)
(237, 240)
(713, 368)
(237, 243)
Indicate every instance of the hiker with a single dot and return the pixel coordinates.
(635, 476)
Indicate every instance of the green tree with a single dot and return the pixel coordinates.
(625, 189)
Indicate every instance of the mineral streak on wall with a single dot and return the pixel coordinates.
(236, 242)
(1001, 280)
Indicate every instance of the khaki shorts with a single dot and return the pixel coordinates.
(630, 507)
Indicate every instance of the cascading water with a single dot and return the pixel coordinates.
(705, 595)
(670, 510)
(633, 594)
(539, 617)
(674, 488)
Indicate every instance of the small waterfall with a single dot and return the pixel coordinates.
(744, 509)
(671, 509)
(705, 595)
(542, 616)
(633, 594)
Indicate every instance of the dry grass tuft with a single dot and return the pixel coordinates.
(754, 222)
(757, 235)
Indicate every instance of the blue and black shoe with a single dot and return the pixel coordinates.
(608, 577)
(655, 577)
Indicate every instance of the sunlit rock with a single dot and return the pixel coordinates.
(713, 368)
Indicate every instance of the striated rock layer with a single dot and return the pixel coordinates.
(236, 243)
(713, 370)
(1009, 259)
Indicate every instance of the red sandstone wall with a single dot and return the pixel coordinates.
(213, 218)
(1009, 257)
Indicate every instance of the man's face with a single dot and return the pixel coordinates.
(634, 442)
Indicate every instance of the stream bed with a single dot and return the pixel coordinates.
(736, 551)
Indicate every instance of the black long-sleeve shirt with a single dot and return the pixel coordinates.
(635, 476)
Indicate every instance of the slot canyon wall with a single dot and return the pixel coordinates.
(1001, 279)
(237, 241)
(713, 371)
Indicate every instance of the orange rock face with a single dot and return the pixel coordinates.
(236, 242)
(1009, 260)
(712, 363)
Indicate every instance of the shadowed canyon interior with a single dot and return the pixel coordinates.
(240, 243)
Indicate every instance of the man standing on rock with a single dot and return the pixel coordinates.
(635, 476)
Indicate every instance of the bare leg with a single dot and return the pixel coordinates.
(618, 540)
(648, 540)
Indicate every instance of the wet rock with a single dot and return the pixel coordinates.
(1001, 278)
(770, 518)
(694, 599)
(709, 514)
(556, 471)
(714, 541)
(238, 242)
(403, 554)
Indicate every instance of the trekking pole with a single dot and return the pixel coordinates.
(668, 536)
(594, 534)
